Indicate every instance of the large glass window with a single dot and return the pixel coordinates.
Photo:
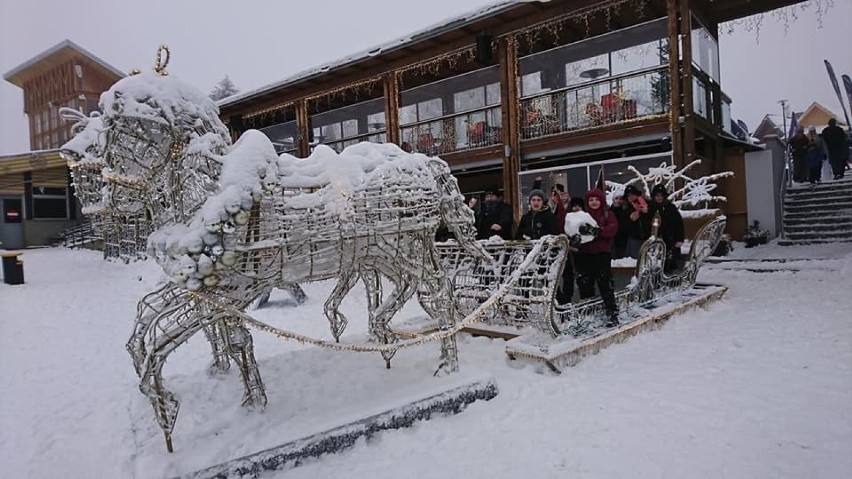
(50, 203)
(341, 127)
(283, 136)
(705, 50)
(453, 114)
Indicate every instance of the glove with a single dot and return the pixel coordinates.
(574, 240)
(588, 229)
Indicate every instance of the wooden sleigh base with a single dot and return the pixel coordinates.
(563, 352)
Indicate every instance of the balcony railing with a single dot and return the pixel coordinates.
(452, 133)
(378, 136)
(607, 101)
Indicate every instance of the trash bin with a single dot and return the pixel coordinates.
(13, 268)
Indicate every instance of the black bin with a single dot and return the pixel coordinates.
(13, 268)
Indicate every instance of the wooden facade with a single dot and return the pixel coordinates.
(409, 92)
(63, 76)
(38, 182)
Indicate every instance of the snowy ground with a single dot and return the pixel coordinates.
(757, 385)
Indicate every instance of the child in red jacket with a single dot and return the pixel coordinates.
(593, 259)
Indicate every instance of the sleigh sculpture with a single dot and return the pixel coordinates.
(231, 222)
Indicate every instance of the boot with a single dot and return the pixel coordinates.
(612, 321)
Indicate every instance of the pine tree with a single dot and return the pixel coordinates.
(224, 89)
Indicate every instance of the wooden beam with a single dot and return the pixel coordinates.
(674, 79)
(303, 127)
(390, 84)
(686, 85)
(508, 58)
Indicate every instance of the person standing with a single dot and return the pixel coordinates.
(618, 208)
(496, 216)
(799, 152)
(837, 147)
(815, 156)
(593, 259)
(639, 219)
(538, 221)
(671, 227)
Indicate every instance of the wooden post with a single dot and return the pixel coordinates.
(686, 79)
(390, 84)
(508, 54)
(303, 126)
(675, 111)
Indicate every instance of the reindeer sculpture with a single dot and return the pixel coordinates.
(232, 222)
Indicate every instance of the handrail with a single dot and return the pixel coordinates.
(451, 115)
(598, 81)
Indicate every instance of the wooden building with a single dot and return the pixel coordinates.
(526, 88)
(36, 201)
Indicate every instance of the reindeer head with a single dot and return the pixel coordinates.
(156, 145)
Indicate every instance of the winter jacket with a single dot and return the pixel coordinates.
(494, 213)
(816, 151)
(671, 227)
(535, 224)
(836, 142)
(607, 222)
(799, 146)
(623, 216)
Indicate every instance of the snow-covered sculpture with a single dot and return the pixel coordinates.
(233, 222)
(693, 193)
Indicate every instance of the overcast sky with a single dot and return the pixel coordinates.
(259, 42)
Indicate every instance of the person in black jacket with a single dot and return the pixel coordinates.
(495, 217)
(619, 209)
(538, 221)
(671, 226)
(799, 152)
(837, 146)
(638, 224)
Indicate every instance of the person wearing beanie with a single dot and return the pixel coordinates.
(593, 259)
(638, 220)
(538, 221)
(671, 229)
(495, 217)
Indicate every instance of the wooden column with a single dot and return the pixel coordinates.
(686, 78)
(28, 195)
(390, 84)
(508, 55)
(303, 126)
(675, 110)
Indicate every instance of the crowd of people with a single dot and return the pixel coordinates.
(809, 151)
(619, 230)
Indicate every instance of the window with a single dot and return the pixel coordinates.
(50, 203)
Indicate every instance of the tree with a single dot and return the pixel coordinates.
(224, 89)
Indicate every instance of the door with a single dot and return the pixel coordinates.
(11, 223)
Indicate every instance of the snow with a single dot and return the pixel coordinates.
(758, 384)
(574, 220)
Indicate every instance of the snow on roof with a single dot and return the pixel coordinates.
(56, 48)
(401, 42)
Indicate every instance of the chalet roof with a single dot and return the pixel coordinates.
(487, 18)
(432, 31)
(817, 108)
(20, 74)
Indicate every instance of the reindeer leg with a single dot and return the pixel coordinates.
(240, 347)
(439, 304)
(336, 319)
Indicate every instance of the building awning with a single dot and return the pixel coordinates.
(30, 161)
